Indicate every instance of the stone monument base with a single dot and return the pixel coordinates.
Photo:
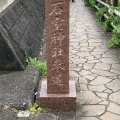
(60, 102)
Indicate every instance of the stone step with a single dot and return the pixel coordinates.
(17, 89)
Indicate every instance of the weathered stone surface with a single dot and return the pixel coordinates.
(78, 61)
(110, 60)
(102, 73)
(86, 118)
(97, 88)
(88, 66)
(100, 80)
(66, 116)
(102, 95)
(73, 74)
(85, 72)
(89, 77)
(10, 58)
(18, 89)
(110, 116)
(45, 116)
(83, 54)
(115, 97)
(19, 34)
(114, 85)
(88, 97)
(92, 110)
(7, 114)
(114, 108)
(102, 66)
(116, 66)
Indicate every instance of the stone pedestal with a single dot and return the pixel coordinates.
(61, 102)
(58, 93)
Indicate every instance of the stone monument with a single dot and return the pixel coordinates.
(57, 92)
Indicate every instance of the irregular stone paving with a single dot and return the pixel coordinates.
(94, 67)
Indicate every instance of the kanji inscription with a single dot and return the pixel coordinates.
(57, 43)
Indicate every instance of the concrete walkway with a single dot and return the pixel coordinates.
(94, 67)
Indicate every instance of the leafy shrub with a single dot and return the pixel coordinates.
(115, 41)
(100, 14)
(40, 64)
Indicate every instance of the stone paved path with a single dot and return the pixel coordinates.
(95, 68)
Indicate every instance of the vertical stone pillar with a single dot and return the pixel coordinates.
(58, 92)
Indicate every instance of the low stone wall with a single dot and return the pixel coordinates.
(21, 33)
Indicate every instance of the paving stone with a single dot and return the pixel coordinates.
(82, 80)
(72, 65)
(83, 44)
(115, 71)
(114, 85)
(97, 56)
(114, 108)
(104, 103)
(95, 40)
(83, 54)
(83, 87)
(110, 60)
(7, 114)
(108, 91)
(110, 116)
(100, 80)
(102, 66)
(102, 95)
(94, 44)
(115, 97)
(88, 66)
(66, 116)
(89, 77)
(17, 89)
(45, 116)
(116, 66)
(83, 49)
(90, 58)
(86, 118)
(73, 74)
(84, 72)
(96, 88)
(93, 61)
(78, 61)
(92, 110)
(96, 53)
(102, 73)
(75, 69)
(100, 50)
(88, 97)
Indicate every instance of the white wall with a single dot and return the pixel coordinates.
(4, 4)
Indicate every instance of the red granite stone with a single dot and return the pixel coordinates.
(57, 45)
(57, 92)
(61, 102)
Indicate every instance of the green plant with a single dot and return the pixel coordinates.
(92, 4)
(107, 24)
(100, 15)
(40, 64)
(87, 2)
(35, 108)
(115, 41)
